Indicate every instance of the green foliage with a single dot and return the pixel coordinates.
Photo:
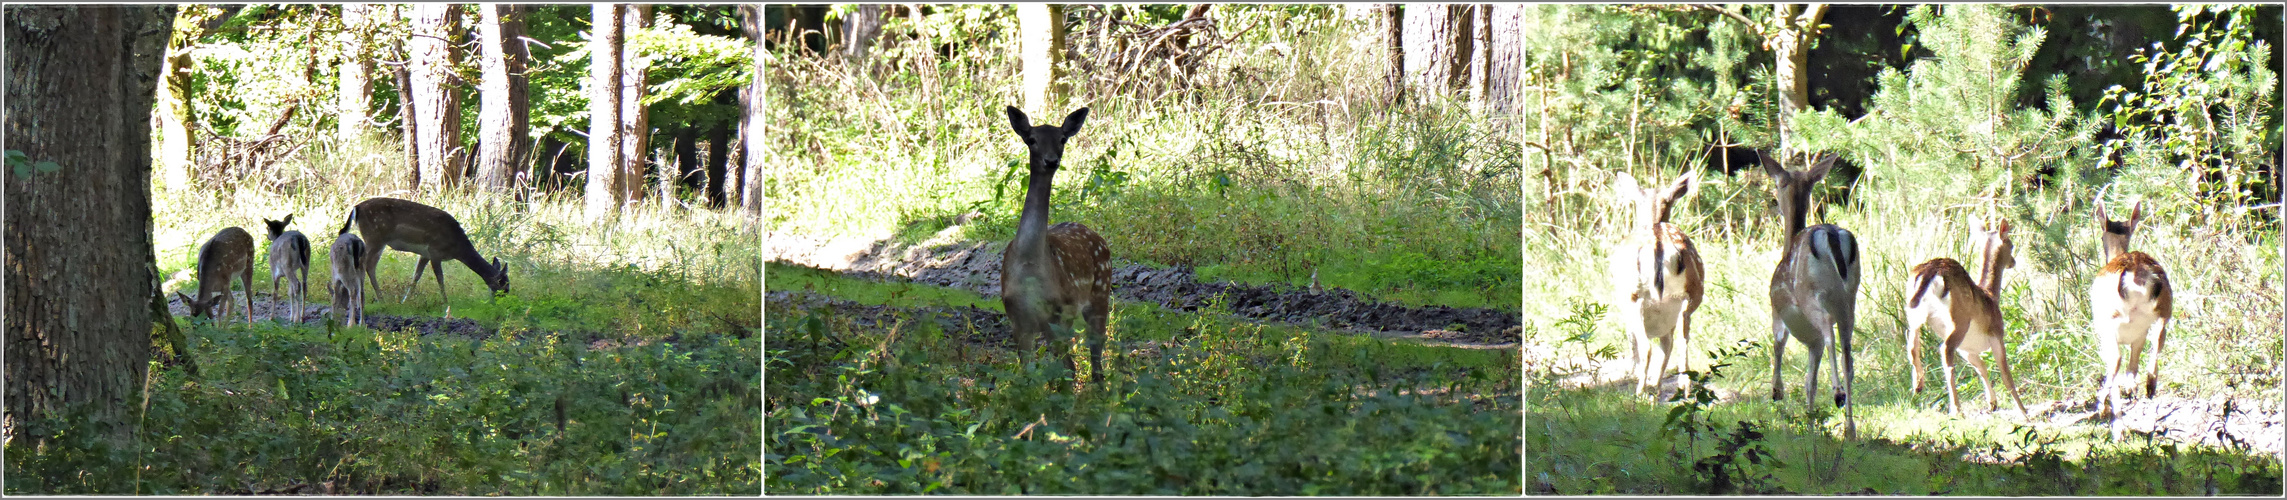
(2207, 108)
(371, 412)
(1193, 404)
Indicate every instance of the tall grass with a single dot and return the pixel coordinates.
(1283, 160)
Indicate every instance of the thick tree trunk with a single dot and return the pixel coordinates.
(1393, 26)
(860, 28)
(505, 111)
(435, 49)
(603, 191)
(408, 119)
(1796, 24)
(635, 118)
(686, 148)
(81, 82)
(1504, 83)
(354, 98)
(1041, 43)
(751, 129)
(1439, 40)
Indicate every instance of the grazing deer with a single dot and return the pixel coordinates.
(424, 231)
(1814, 290)
(2131, 302)
(1658, 281)
(290, 260)
(1967, 315)
(229, 254)
(348, 285)
(1054, 277)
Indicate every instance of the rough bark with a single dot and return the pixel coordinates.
(81, 82)
(1794, 27)
(603, 193)
(354, 95)
(1393, 26)
(435, 50)
(719, 151)
(860, 29)
(635, 118)
(505, 109)
(408, 118)
(1438, 42)
(1505, 83)
(1041, 43)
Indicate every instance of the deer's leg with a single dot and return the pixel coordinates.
(248, 279)
(1778, 358)
(2159, 341)
(419, 265)
(1098, 316)
(1914, 324)
(1952, 358)
(368, 263)
(437, 268)
(1846, 327)
(1682, 351)
(2001, 357)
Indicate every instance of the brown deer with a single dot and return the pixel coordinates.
(1658, 281)
(1054, 277)
(1967, 315)
(348, 284)
(1814, 290)
(424, 231)
(2131, 302)
(290, 260)
(229, 254)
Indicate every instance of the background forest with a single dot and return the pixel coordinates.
(1289, 153)
(1944, 117)
(623, 361)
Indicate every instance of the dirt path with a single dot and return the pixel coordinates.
(976, 266)
(2252, 424)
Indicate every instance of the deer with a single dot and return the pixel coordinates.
(1658, 281)
(348, 285)
(228, 254)
(290, 260)
(424, 231)
(2131, 302)
(1967, 315)
(1814, 290)
(1054, 277)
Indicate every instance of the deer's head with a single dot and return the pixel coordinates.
(1046, 143)
(2115, 233)
(278, 227)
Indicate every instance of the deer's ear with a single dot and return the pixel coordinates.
(2101, 218)
(1825, 163)
(1771, 165)
(1625, 187)
(288, 222)
(185, 298)
(2136, 216)
(1683, 186)
(1073, 121)
(1019, 123)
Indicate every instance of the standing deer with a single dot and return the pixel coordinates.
(1967, 315)
(2131, 302)
(1814, 290)
(228, 254)
(1054, 277)
(348, 285)
(1658, 282)
(424, 231)
(290, 260)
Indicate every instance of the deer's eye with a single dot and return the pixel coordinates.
(1028, 140)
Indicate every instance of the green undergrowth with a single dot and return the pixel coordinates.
(379, 412)
(1192, 403)
(1593, 441)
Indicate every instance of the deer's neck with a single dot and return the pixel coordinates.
(1795, 223)
(1032, 226)
(477, 263)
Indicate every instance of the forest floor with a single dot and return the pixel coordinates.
(2254, 424)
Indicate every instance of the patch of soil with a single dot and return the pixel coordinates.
(969, 324)
(976, 267)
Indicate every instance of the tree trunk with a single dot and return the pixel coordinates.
(718, 151)
(1438, 42)
(635, 131)
(1393, 26)
(408, 118)
(81, 82)
(686, 162)
(1791, 45)
(1041, 41)
(505, 111)
(435, 49)
(1506, 70)
(355, 95)
(603, 193)
(859, 30)
(751, 129)
(189, 26)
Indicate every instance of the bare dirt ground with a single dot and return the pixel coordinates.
(975, 267)
(2251, 424)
